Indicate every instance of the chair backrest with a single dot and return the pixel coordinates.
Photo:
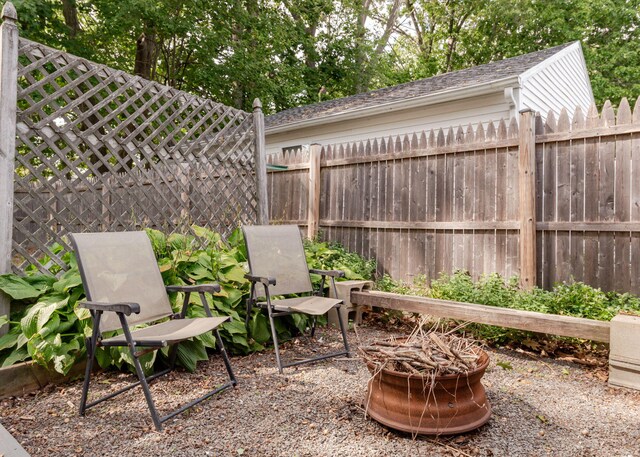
(121, 267)
(276, 251)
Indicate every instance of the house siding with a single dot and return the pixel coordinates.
(491, 107)
(560, 82)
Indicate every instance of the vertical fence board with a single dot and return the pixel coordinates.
(591, 207)
(489, 191)
(606, 191)
(452, 199)
(623, 167)
(458, 208)
(404, 178)
(374, 207)
(577, 171)
(348, 203)
(562, 193)
(439, 203)
(635, 202)
(549, 204)
(479, 205)
(512, 203)
(500, 201)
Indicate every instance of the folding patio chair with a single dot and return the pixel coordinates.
(277, 261)
(124, 288)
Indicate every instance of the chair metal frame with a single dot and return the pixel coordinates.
(272, 312)
(124, 309)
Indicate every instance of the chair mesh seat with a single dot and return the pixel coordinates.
(308, 305)
(278, 266)
(168, 332)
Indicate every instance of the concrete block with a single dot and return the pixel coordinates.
(9, 447)
(344, 289)
(624, 352)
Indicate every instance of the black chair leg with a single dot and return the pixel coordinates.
(87, 379)
(343, 330)
(173, 356)
(313, 326)
(91, 345)
(274, 335)
(147, 392)
(225, 358)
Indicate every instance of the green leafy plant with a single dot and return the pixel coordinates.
(332, 256)
(50, 329)
(571, 299)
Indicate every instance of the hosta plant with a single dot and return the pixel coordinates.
(49, 328)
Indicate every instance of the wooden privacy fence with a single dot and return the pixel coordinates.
(548, 201)
(100, 150)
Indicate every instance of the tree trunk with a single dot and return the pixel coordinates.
(70, 12)
(145, 55)
(362, 80)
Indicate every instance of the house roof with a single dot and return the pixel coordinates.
(469, 77)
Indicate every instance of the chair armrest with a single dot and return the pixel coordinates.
(265, 281)
(331, 273)
(200, 289)
(211, 288)
(126, 308)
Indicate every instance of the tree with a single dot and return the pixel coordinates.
(297, 52)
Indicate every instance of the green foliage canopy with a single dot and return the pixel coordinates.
(294, 53)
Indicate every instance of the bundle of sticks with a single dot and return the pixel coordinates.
(425, 352)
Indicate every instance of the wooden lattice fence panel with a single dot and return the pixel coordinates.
(99, 149)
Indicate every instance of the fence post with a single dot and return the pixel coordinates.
(261, 163)
(8, 94)
(527, 204)
(313, 213)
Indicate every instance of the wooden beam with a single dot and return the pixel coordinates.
(527, 199)
(546, 138)
(553, 324)
(435, 225)
(589, 226)
(8, 95)
(591, 132)
(426, 152)
(313, 210)
(594, 226)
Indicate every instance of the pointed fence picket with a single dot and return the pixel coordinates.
(438, 201)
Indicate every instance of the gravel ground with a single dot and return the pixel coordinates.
(540, 407)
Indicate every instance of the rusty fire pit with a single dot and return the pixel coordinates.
(429, 405)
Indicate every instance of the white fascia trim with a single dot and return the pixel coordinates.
(424, 100)
(549, 61)
(576, 46)
(586, 71)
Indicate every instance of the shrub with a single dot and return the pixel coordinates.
(571, 299)
(333, 256)
(50, 329)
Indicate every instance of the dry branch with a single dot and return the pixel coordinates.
(425, 352)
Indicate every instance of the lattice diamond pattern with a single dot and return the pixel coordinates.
(100, 150)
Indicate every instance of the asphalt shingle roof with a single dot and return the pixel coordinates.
(454, 80)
